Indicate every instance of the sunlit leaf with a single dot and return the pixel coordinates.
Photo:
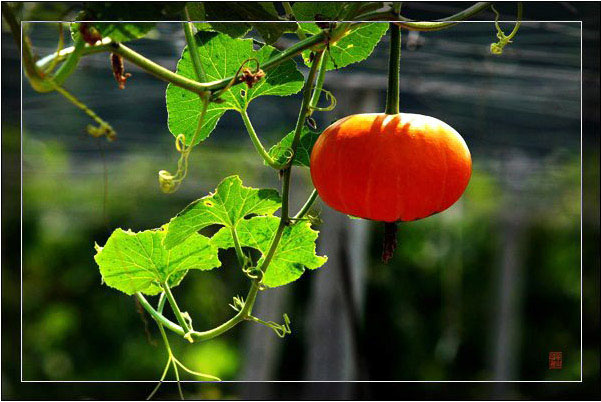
(227, 206)
(138, 262)
(295, 252)
(221, 57)
(280, 152)
(354, 47)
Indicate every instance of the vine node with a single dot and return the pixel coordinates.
(238, 303)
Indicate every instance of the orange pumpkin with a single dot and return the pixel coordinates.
(390, 168)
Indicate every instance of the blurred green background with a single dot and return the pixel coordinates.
(483, 291)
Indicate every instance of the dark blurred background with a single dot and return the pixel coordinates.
(481, 292)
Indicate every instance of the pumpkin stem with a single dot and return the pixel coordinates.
(389, 244)
(394, 70)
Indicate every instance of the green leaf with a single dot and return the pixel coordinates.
(314, 11)
(354, 47)
(118, 32)
(198, 12)
(138, 262)
(252, 11)
(330, 11)
(230, 203)
(279, 152)
(221, 57)
(122, 31)
(125, 31)
(295, 252)
(261, 11)
(269, 7)
(284, 80)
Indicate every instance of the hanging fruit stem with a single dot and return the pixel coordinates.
(392, 107)
(389, 244)
(394, 69)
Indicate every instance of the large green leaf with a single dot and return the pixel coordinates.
(221, 57)
(280, 151)
(354, 47)
(295, 252)
(138, 262)
(227, 206)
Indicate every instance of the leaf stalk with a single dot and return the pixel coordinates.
(306, 207)
(192, 47)
(176, 310)
(257, 142)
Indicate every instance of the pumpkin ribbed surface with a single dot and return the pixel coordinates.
(390, 168)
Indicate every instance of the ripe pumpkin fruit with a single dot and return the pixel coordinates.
(398, 167)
